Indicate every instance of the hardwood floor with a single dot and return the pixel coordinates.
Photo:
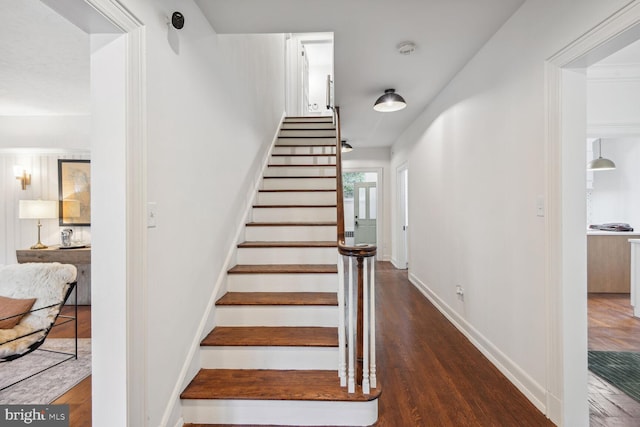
(430, 374)
(612, 327)
(79, 397)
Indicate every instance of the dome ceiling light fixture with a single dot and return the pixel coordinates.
(389, 102)
(346, 147)
(600, 164)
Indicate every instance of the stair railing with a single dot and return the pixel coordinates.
(356, 301)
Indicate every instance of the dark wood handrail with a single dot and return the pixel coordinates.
(340, 191)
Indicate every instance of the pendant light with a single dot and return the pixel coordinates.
(346, 147)
(389, 102)
(600, 164)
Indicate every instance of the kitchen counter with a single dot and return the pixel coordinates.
(608, 261)
(612, 233)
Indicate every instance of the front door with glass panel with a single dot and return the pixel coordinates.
(365, 212)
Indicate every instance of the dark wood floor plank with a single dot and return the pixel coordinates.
(272, 336)
(612, 327)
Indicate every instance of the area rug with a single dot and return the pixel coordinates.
(619, 368)
(47, 386)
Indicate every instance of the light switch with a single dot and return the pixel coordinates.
(540, 206)
(152, 214)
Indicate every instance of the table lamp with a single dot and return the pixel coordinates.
(38, 209)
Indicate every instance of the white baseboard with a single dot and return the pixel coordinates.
(179, 423)
(529, 387)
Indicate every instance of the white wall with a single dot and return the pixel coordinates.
(375, 159)
(213, 106)
(43, 165)
(109, 323)
(54, 132)
(476, 168)
(615, 196)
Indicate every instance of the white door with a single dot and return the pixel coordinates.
(403, 217)
(365, 212)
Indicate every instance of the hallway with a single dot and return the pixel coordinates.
(431, 375)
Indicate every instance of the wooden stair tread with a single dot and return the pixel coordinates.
(283, 336)
(306, 129)
(293, 206)
(263, 384)
(298, 177)
(306, 137)
(279, 298)
(305, 145)
(301, 166)
(284, 269)
(297, 191)
(289, 244)
(291, 224)
(303, 155)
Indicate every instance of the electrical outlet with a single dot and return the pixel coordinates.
(460, 292)
(152, 215)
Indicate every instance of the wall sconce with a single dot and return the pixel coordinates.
(22, 174)
(346, 147)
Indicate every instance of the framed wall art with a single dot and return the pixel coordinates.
(74, 192)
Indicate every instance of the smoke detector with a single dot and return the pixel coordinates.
(406, 48)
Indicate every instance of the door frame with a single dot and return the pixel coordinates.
(381, 215)
(565, 284)
(127, 309)
(402, 196)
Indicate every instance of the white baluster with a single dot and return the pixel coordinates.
(351, 346)
(365, 330)
(342, 348)
(372, 302)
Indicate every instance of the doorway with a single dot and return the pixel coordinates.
(309, 74)
(362, 204)
(402, 218)
(566, 212)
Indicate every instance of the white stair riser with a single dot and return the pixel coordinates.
(247, 357)
(299, 184)
(307, 133)
(304, 150)
(297, 198)
(293, 214)
(282, 282)
(311, 119)
(306, 141)
(262, 256)
(280, 412)
(301, 171)
(276, 315)
(319, 125)
(302, 160)
(290, 234)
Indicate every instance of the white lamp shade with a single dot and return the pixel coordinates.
(38, 209)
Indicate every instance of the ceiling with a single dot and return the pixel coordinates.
(44, 62)
(46, 71)
(366, 32)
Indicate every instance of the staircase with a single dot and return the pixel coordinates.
(272, 358)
